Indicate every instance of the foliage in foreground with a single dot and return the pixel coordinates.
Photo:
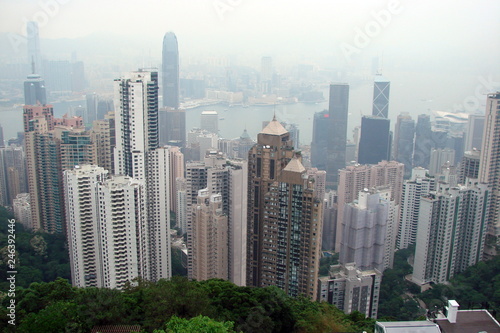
(174, 306)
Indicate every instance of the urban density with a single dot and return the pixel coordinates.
(264, 176)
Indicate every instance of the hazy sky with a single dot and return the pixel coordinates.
(422, 29)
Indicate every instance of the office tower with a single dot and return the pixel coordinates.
(172, 127)
(469, 167)
(423, 142)
(351, 289)
(266, 160)
(2, 142)
(474, 133)
(266, 75)
(209, 121)
(489, 172)
(320, 140)
(103, 137)
(329, 221)
(22, 210)
(78, 82)
(381, 90)
(209, 249)
(413, 189)
(157, 242)
(176, 171)
(355, 178)
(13, 179)
(456, 142)
(170, 71)
(136, 119)
(91, 108)
(452, 225)
(290, 242)
(374, 144)
(403, 141)
(366, 233)
(337, 138)
(57, 75)
(438, 158)
(33, 45)
(34, 90)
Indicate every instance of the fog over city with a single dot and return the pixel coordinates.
(438, 55)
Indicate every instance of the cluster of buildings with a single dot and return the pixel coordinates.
(255, 213)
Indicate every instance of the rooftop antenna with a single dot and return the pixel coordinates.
(32, 65)
(274, 112)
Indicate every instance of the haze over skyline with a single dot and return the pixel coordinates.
(438, 55)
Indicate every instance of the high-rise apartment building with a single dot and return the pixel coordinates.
(170, 71)
(22, 210)
(452, 224)
(83, 229)
(13, 180)
(374, 144)
(413, 189)
(227, 178)
(103, 137)
(136, 122)
(351, 289)
(489, 172)
(440, 157)
(355, 178)
(291, 232)
(209, 251)
(176, 171)
(266, 160)
(469, 166)
(381, 90)
(368, 226)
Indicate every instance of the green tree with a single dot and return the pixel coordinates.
(56, 317)
(199, 324)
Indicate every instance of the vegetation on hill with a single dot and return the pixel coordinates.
(59, 307)
(39, 256)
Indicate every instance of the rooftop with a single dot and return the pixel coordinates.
(470, 321)
(274, 128)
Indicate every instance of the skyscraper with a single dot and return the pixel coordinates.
(291, 232)
(489, 172)
(423, 142)
(474, 134)
(170, 71)
(374, 144)
(351, 289)
(320, 140)
(34, 90)
(404, 134)
(366, 231)
(469, 166)
(266, 160)
(355, 178)
(209, 121)
(337, 138)
(452, 225)
(381, 90)
(136, 121)
(172, 127)
(413, 189)
(34, 53)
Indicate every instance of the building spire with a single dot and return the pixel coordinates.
(32, 65)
